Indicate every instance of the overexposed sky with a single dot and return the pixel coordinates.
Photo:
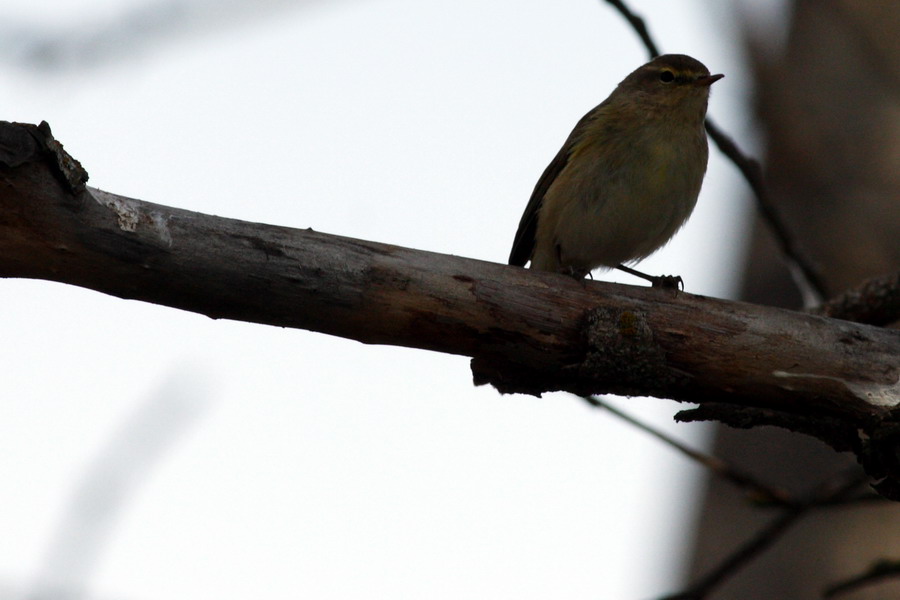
(151, 453)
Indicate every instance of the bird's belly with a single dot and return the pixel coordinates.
(635, 213)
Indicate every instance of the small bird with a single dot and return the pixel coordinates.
(627, 177)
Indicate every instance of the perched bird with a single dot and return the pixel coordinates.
(627, 177)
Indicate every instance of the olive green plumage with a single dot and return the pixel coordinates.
(627, 177)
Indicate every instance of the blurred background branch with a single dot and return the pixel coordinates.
(76, 37)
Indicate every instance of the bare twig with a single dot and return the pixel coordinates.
(883, 569)
(637, 23)
(807, 278)
(835, 492)
(829, 492)
(758, 491)
(863, 498)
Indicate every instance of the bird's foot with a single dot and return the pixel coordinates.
(665, 282)
(577, 274)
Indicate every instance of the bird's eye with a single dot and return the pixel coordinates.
(667, 76)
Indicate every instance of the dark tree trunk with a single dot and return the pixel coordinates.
(829, 102)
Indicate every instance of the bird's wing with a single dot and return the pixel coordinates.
(523, 245)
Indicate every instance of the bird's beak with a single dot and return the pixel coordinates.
(708, 80)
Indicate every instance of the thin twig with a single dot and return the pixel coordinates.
(759, 492)
(862, 499)
(639, 26)
(807, 278)
(883, 569)
(832, 490)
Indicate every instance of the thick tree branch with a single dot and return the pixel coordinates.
(527, 331)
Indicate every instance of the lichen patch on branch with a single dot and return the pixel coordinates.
(130, 214)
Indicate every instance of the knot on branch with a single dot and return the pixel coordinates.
(21, 143)
(622, 349)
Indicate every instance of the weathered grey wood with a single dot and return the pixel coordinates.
(527, 331)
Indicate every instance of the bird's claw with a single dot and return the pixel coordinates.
(667, 282)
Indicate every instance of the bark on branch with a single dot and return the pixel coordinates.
(527, 331)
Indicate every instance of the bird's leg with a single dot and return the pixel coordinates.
(569, 270)
(576, 274)
(666, 282)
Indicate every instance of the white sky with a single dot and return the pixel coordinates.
(150, 453)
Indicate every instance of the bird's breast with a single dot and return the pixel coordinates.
(616, 203)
